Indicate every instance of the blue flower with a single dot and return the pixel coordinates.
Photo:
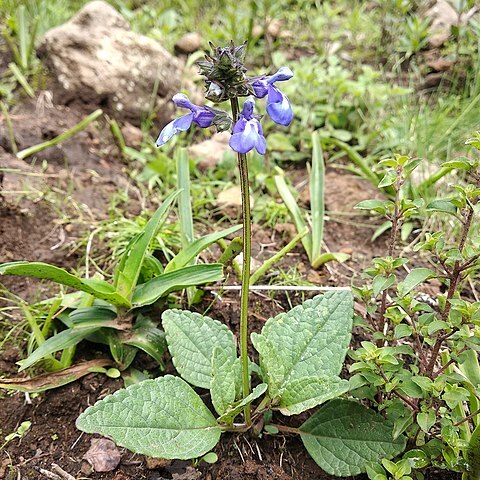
(278, 105)
(201, 116)
(247, 132)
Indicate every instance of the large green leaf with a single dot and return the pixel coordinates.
(159, 418)
(308, 392)
(131, 264)
(96, 287)
(190, 252)
(222, 384)
(149, 292)
(308, 341)
(343, 435)
(191, 339)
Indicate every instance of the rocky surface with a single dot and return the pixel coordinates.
(96, 58)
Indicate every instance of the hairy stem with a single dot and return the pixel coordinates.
(247, 246)
(454, 280)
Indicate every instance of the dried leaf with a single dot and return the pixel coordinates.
(48, 381)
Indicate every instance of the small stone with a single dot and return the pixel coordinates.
(440, 64)
(189, 43)
(210, 152)
(231, 197)
(133, 136)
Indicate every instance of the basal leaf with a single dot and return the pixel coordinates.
(96, 287)
(193, 275)
(222, 385)
(191, 339)
(189, 253)
(309, 340)
(159, 418)
(147, 337)
(131, 263)
(60, 341)
(343, 435)
(236, 409)
(308, 392)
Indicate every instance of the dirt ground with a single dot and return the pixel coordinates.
(88, 170)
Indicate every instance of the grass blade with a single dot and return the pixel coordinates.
(295, 212)
(129, 268)
(317, 197)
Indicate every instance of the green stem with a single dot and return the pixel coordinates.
(247, 246)
(278, 256)
(63, 136)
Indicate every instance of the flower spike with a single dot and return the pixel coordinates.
(247, 132)
(201, 116)
(278, 105)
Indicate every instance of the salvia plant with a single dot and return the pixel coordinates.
(421, 366)
(300, 352)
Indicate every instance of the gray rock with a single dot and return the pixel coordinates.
(96, 58)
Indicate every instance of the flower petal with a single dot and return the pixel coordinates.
(247, 109)
(178, 125)
(260, 87)
(261, 145)
(182, 101)
(282, 75)
(244, 141)
(278, 106)
(203, 117)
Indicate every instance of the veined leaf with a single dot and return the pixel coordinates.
(159, 418)
(343, 435)
(191, 339)
(308, 340)
(308, 392)
(131, 263)
(189, 253)
(222, 384)
(96, 287)
(193, 275)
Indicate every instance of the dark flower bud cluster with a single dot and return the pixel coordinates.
(224, 73)
(225, 79)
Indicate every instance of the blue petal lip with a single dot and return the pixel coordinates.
(260, 87)
(178, 125)
(278, 107)
(182, 101)
(282, 75)
(247, 135)
(203, 117)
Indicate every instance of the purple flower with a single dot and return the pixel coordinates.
(247, 132)
(201, 116)
(278, 105)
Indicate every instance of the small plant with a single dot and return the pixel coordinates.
(301, 352)
(421, 366)
(113, 314)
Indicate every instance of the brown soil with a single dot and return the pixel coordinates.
(89, 169)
